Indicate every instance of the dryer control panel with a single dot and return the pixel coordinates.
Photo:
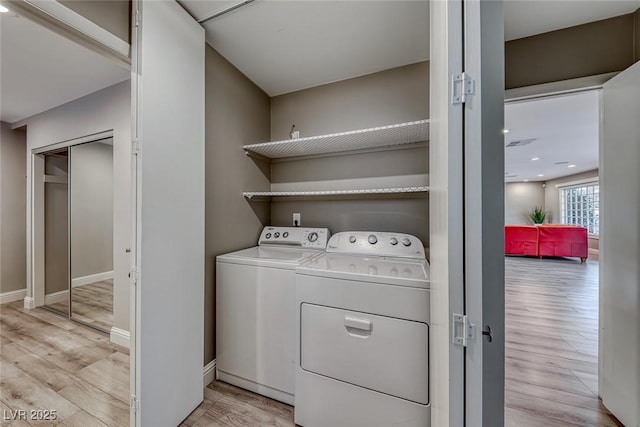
(304, 237)
(377, 243)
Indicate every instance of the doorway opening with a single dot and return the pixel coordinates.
(552, 216)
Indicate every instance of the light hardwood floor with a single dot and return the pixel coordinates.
(551, 344)
(551, 361)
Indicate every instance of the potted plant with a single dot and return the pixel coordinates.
(537, 215)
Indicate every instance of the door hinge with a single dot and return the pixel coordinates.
(134, 404)
(137, 20)
(134, 276)
(463, 330)
(135, 146)
(462, 86)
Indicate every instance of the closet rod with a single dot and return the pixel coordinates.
(225, 11)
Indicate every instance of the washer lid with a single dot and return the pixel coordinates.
(269, 256)
(392, 271)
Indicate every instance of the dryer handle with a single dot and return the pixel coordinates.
(358, 327)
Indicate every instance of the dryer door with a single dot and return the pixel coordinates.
(383, 354)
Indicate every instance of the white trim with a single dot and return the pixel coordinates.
(95, 137)
(56, 297)
(579, 182)
(12, 296)
(563, 87)
(29, 303)
(209, 374)
(81, 24)
(91, 278)
(120, 337)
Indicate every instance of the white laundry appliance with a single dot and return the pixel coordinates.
(363, 333)
(255, 310)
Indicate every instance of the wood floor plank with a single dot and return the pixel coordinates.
(82, 419)
(40, 369)
(99, 404)
(111, 375)
(19, 391)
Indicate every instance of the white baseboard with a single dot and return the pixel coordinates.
(120, 336)
(56, 297)
(12, 296)
(29, 303)
(209, 372)
(92, 278)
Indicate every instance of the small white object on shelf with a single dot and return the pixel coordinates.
(398, 190)
(382, 136)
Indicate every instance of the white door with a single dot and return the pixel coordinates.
(619, 356)
(445, 214)
(466, 174)
(168, 97)
(484, 212)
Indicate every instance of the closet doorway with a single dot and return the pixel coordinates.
(74, 207)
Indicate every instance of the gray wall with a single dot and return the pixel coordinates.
(388, 97)
(520, 198)
(13, 184)
(107, 109)
(236, 113)
(56, 221)
(112, 15)
(584, 50)
(552, 193)
(91, 209)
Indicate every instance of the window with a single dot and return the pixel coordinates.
(580, 205)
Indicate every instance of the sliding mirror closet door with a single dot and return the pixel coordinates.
(91, 233)
(56, 234)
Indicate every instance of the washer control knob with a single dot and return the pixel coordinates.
(406, 241)
(394, 241)
(352, 239)
(372, 239)
(313, 236)
(285, 234)
(268, 235)
(276, 234)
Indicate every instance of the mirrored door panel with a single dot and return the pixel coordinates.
(91, 231)
(56, 235)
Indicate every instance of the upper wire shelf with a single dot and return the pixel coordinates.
(382, 136)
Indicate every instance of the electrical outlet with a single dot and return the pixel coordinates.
(296, 220)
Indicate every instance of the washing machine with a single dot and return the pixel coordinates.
(255, 310)
(362, 312)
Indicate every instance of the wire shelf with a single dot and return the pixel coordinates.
(382, 136)
(398, 190)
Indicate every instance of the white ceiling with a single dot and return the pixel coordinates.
(284, 46)
(41, 70)
(525, 18)
(565, 128)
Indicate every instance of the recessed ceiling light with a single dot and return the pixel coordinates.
(3, 9)
(540, 174)
(571, 166)
(535, 158)
(526, 180)
(505, 131)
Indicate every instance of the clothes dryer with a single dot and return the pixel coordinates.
(362, 312)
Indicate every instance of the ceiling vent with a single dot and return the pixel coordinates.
(520, 142)
(561, 163)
